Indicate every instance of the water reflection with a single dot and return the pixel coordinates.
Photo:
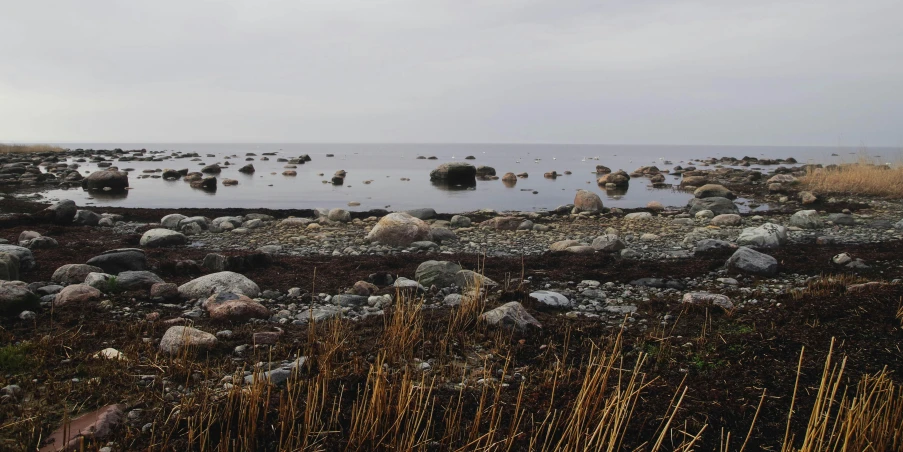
(111, 195)
(617, 192)
(459, 186)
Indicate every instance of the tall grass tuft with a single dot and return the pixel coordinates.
(866, 176)
(28, 148)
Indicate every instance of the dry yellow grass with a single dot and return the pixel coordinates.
(28, 148)
(865, 177)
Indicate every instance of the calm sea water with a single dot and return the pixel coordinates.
(387, 164)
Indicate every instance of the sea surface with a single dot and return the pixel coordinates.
(388, 166)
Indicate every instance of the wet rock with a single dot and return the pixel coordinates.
(713, 191)
(659, 283)
(455, 172)
(178, 338)
(172, 220)
(618, 178)
(717, 205)
(586, 201)
(62, 212)
(510, 315)
(750, 261)
(110, 179)
(86, 218)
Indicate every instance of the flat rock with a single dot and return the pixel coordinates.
(160, 237)
(73, 273)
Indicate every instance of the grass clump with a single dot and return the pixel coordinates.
(866, 176)
(28, 148)
(15, 357)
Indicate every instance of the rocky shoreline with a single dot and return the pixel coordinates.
(236, 282)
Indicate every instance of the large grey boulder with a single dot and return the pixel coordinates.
(340, 215)
(156, 238)
(717, 205)
(769, 235)
(751, 261)
(713, 191)
(510, 315)
(15, 299)
(440, 273)
(26, 258)
(9, 267)
(73, 273)
(399, 229)
(86, 218)
(807, 219)
(424, 214)
(177, 338)
(106, 179)
(587, 201)
(120, 260)
(222, 224)
(214, 283)
(455, 172)
(172, 220)
(62, 212)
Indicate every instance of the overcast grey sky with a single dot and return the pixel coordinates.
(568, 71)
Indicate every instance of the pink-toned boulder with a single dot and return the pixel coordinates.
(587, 201)
(234, 307)
(76, 293)
(95, 425)
(399, 229)
(363, 288)
(502, 223)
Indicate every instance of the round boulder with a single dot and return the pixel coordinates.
(160, 237)
(399, 229)
(587, 201)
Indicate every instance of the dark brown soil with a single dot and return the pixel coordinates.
(729, 362)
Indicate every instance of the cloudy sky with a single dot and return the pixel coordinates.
(521, 71)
